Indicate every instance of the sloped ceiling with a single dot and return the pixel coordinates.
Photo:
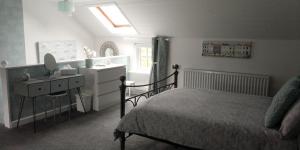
(262, 19)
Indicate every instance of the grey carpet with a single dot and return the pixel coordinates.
(93, 131)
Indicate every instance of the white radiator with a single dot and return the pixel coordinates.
(243, 83)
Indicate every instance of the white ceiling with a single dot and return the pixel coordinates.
(264, 19)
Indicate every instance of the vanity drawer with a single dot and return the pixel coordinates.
(76, 82)
(111, 74)
(59, 85)
(38, 89)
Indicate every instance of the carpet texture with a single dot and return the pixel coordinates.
(93, 131)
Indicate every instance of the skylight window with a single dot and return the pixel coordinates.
(113, 19)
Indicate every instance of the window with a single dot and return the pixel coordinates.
(144, 58)
(113, 19)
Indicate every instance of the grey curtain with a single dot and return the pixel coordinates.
(160, 55)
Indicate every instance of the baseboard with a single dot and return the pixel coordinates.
(38, 116)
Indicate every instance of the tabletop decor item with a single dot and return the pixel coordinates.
(89, 54)
(68, 70)
(26, 76)
(4, 63)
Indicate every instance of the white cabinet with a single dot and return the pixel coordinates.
(104, 82)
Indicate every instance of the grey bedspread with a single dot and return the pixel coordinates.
(208, 120)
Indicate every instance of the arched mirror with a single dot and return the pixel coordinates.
(109, 48)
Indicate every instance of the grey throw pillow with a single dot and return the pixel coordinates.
(290, 126)
(282, 102)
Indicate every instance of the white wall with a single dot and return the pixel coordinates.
(43, 22)
(277, 58)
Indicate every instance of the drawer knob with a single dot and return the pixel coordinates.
(59, 85)
(39, 89)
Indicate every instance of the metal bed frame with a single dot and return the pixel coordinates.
(135, 99)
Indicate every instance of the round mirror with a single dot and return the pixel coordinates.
(109, 48)
(50, 62)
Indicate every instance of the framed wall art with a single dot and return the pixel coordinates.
(61, 50)
(234, 49)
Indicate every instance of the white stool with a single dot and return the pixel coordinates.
(129, 83)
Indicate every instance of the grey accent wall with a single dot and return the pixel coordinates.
(12, 47)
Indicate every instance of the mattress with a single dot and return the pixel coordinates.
(204, 119)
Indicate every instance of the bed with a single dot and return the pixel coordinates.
(201, 119)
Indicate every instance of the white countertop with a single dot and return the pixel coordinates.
(105, 67)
